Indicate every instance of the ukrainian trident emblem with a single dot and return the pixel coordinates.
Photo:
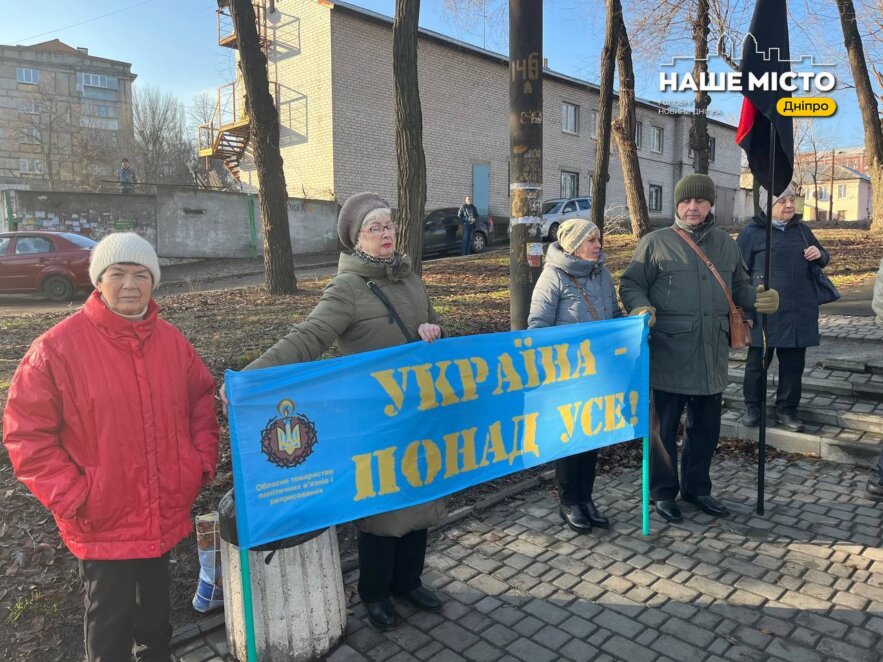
(288, 439)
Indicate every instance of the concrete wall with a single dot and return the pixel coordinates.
(180, 222)
(92, 214)
(194, 223)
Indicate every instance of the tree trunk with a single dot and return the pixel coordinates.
(699, 142)
(624, 130)
(605, 114)
(264, 137)
(409, 133)
(867, 102)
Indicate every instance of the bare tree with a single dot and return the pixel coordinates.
(264, 137)
(409, 132)
(867, 102)
(624, 129)
(490, 15)
(605, 115)
(163, 148)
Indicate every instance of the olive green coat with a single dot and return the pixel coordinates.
(353, 316)
(689, 344)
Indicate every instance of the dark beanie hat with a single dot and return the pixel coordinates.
(694, 186)
(353, 214)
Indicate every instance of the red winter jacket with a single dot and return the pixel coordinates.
(111, 424)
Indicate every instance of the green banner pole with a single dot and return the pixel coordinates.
(247, 607)
(251, 650)
(645, 485)
(252, 227)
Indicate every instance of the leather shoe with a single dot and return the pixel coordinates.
(590, 510)
(423, 599)
(751, 418)
(708, 504)
(874, 487)
(574, 518)
(669, 510)
(381, 614)
(789, 422)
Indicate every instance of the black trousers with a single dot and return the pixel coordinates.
(700, 442)
(576, 477)
(127, 601)
(390, 565)
(792, 360)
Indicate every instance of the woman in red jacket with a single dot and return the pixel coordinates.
(110, 422)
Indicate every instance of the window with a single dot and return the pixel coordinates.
(4, 245)
(30, 136)
(712, 144)
(639, 135)
(99, 110)
(655, 201)
(32, 245)
(29, 76)
(569, 208)
(30, 107)
(569, 118)
(841, 190)
(569, 184)
(95, 80)
(30, 166)
(583, 204)
(656, 139)
(595, 123)
(821, 193)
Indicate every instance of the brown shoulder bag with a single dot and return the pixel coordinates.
(740, 328)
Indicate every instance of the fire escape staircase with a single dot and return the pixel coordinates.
(225, 136)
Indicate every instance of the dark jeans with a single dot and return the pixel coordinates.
(390, 565)
(700, 442)
(791, 363)
(127, 601)
(466, 249)
(576, 477)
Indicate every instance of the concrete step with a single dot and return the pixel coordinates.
(830, 419)
(863, 386)
(873, 367)
(848, 447)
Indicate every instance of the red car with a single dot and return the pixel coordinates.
(54, 263)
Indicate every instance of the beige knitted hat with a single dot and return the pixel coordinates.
(123, 247)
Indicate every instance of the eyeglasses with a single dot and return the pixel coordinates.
(380, 229)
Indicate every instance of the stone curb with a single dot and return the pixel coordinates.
(843, 419)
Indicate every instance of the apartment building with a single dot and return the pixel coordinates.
(65, 117)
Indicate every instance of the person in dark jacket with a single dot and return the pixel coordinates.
(796, 324)
(689, 341)
(468, 215)
(392, 545)
(575, 287)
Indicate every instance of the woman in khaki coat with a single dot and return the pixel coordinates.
(355, 312)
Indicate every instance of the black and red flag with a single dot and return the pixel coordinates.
(766, 51)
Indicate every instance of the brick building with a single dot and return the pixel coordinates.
(332, 63)
(65, 116)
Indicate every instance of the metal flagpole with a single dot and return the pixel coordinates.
(767, 261)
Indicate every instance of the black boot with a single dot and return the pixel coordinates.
(423, 599)
(574, 518)
(874, 487)
(751, 417)
(381, 614)
(590, 510)
(789, 421)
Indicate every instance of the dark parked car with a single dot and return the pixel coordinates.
(54, 263)
(442, 232)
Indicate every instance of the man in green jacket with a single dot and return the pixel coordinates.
(689, 342)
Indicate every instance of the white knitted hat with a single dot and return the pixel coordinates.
(123, 247)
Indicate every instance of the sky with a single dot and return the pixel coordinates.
(172, 45)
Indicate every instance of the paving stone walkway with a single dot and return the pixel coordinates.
(804, 582)
(848, 326)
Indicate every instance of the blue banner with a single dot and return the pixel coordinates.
(320, 443)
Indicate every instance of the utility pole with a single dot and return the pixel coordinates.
(525, 155)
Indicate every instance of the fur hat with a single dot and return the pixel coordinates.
(353, 213)
(763, 194)
(694, 186)
(573, 232)
(123, 247)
